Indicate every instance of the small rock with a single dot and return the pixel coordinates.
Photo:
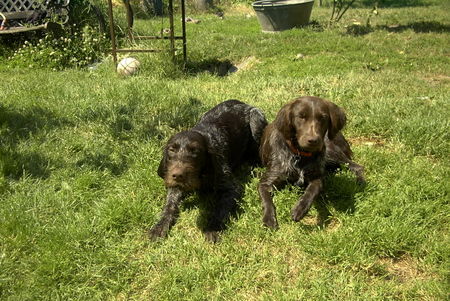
(192, 20)
(299, 56)
(245, 64)
(423, 98)
(393, 26)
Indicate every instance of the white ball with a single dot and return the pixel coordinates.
(128, 66)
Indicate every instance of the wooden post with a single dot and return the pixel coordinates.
(172, 30)
(130, 18)
(112, 32)
(183, 30)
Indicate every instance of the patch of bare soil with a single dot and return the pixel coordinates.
(332, 225)
(310, 220)
(329, 224)
(369, 141)
(405, 269)
(245, 64)
(438, 79)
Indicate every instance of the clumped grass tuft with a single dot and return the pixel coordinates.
(79, 150)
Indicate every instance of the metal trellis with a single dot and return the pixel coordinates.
(171, 37)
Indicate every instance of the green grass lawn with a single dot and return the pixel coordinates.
(79, 152)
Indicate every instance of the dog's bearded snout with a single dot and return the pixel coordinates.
(183, 175)
(177, 174)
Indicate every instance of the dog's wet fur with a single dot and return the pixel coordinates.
(204, 158)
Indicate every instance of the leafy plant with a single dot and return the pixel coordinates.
(340, 7)
(57, 53)
(92, 13)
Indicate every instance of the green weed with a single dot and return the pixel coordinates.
(57, 53)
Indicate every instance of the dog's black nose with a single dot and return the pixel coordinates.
(314, 140)
(177, 176)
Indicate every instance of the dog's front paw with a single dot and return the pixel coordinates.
(212, 236)
(157, 232)
(360, 180)
(270, 221)
(299, 212)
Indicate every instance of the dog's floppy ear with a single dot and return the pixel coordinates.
(337, 120)
(162, 168)
(283, 121)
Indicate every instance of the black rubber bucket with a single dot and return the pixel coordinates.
(281, 15)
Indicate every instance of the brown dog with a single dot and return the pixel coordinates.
(203, 159)
(302, 143)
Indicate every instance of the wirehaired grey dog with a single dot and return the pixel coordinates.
(204, 158)
(303, 142)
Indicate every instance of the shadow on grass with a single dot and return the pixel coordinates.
(340, 190)
(17, 127)
(15, 165)
(383, 3)
(205, 200)
(339, 193)
(358, 30)
(104, 161)
(417, 27)
(316, 26)
(215, 67)
(395, 3)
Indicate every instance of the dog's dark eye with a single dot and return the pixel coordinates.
(302, 116)
(322, 117)
(193, 150)
(172, 149)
